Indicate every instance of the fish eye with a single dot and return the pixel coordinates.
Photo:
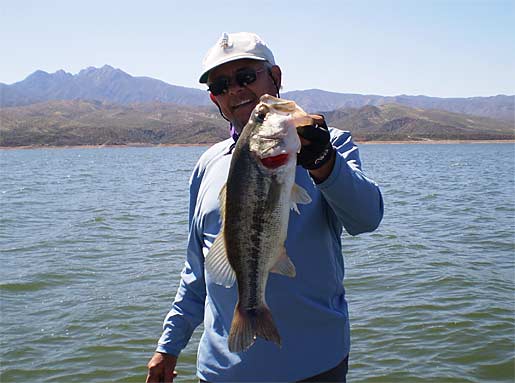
(261, 113)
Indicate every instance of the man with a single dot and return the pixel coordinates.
(309, 310)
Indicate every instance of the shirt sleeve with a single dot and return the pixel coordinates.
(187, 311)
(355, 199)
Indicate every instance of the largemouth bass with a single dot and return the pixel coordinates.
(254, 208)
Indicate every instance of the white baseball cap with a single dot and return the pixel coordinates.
(235, 46)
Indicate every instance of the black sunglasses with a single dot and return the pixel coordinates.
(243, 77)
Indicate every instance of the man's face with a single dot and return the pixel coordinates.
(238, 101)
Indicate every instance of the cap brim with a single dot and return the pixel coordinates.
(203, 78)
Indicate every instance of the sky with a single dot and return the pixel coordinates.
(458, 48)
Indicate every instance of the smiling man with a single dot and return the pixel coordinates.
(310, 310)
(237, 86)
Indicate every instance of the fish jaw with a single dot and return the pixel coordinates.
(279, 105)
(276, 142)
(272, 129)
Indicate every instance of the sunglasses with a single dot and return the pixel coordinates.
(243, 77)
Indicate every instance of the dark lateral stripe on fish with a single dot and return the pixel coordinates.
(256, 228)
(253, 277)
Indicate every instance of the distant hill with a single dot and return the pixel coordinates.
(500, 107)
(115, 86)
(399, 122)
(76, 122)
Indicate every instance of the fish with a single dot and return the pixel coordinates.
(255, 205)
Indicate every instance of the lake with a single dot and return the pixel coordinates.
(92, 242)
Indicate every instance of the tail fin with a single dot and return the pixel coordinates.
(248, 324)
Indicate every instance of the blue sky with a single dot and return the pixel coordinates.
(437, 48)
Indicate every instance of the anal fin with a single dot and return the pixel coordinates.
(284, 265)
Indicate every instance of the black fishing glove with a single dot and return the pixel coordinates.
(319, 150)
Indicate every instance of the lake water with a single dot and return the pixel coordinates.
(92, 242)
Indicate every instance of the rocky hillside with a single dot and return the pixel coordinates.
(59, 123)
(399, 122)
(76, 122)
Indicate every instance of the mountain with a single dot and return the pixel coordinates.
(499, 107)
(108, 106)
(115, 86)
(78, 122)
(101, 84)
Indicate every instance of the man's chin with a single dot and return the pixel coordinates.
(242, 114)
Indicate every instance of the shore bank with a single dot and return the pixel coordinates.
(27, 147)
(439, 142)
(144, 145)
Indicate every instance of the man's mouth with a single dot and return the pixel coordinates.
(241, 103)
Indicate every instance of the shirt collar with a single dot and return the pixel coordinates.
(235, 135)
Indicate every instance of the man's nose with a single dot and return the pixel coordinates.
(234, 87)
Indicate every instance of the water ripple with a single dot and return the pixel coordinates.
(92, 242)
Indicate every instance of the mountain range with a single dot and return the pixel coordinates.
(116, 86)
(107, 105)
(101, 84)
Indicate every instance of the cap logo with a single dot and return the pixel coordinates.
(224, 42)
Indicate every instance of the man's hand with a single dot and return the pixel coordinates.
(316, 154)
(161, 368)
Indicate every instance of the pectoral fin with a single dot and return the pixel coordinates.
(299, 195)
(217, 264)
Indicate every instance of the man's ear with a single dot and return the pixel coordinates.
(213, 98)
(276, 74)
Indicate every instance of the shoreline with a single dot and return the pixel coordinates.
(144, 145)
(121, 146)
(415, 142)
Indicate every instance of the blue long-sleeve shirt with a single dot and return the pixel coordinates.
(310, 310)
